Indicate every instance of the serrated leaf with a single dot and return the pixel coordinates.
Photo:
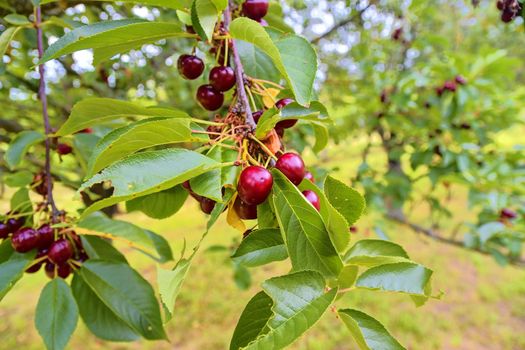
(170, 283)
(345, 200)
(12, 266)
(160, 205)
(368, 333)
(95, 111)
(150, 243)
(306, 237)
(293, 56)
(137, 136)
(252, 321)
(261, 247)
(20, 145)
(204, 15)
(112, 37)
(149, 172)
(6, 37)
(299, 301)
(373, 252)
(56, 314)
(127, 294)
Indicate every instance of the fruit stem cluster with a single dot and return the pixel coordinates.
(43, 99)
(239, 73)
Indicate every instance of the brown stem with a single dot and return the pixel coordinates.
(239, 72)
(45, 114)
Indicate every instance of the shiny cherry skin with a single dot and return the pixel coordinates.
(46, 236)
(292, 166)
(209, 98)
(508, 213)
(64, 149)
(255, 184)
(24, 240)
(60, 251)
(255, 9)
(4, 230)
(285, 124)
(14, 224)
(190, 67)
(222, 78)
(313, 198)
(245, 211)
(41, 253)
(309, 176)
(63, 271)
(207, 205)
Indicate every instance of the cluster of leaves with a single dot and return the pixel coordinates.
(143, 156)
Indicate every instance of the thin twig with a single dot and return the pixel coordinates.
(239, 72)
(45, 114)
(341, 24)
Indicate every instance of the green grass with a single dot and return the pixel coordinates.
(483, 306)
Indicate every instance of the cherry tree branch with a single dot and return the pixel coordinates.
(43, 99)
(341, 24)
(239, 72)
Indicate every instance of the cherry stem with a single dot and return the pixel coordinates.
(239, 72)
(43, 99)
(36, 261)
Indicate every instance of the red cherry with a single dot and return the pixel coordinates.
(292, 166)
(508, 213)
(186, 185)
(46, 236)
(450, 85)
(313, 198)
(4, 230)
(62, 270)
(460, 80)
(279, 131)
(24, 240)
(60, 251)
(39, 184)
(36, 267)
(86, 131)
(255, 184)
(222, 78)
(245, 211)
(207, 205)
(14, 224)
(257, 115)
(255, 9)
(210, 98)
(309, 176)
(285, 124)
(353, 229)
(64, 149)
(190, 67)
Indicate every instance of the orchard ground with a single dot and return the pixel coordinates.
(483, 306)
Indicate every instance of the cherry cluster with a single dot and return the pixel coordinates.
(59, 249)
(510, 9)
(451, 85)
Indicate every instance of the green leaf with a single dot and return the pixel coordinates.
(261, 247)
(112, 37)
(252, 321)
(19, 179)
(56, 314)
(177, 5)
(204, 15)
(307, 239)
(149, 172)
(99, 318)
(256, 63)
(12, 266)
(95, 111)
(170, 283)
(368, 333)
(137, 136)
(6, 37)
(17, 20)
(293, 56)
(402, 277)
(160, 205)
(373, 252)
(20, 145)
(275, 18)
(101, 249)
(127, 294)
(315, 112)
(21, 203)
(265, 215)
(299, 301)
(242, 277)
(150, 243)
(321, 137)
(346, 200)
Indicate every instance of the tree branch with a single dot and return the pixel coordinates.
(45, 115)
(341, 24)
(239, 72)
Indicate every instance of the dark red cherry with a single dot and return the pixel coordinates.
(186, 185)
(292, 166)
(309, 176)
(209, 98)
(222, 78)
(14, 224)
(39, 184)
(313, 198)
(24, 240)
(190, 67)
(285, 124)
(64, 149)
(500, 4)
(450, 85)
(279, 131)
(207, 205)
(245, 211)
(63, 271)
(507, 15)
(36, 267)
(460, 80)
(46, 236)
(4, 230)
(60, 251)
(508, 213)
(353, 229)
(255, 9)
(257, 115)
(255, 184)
